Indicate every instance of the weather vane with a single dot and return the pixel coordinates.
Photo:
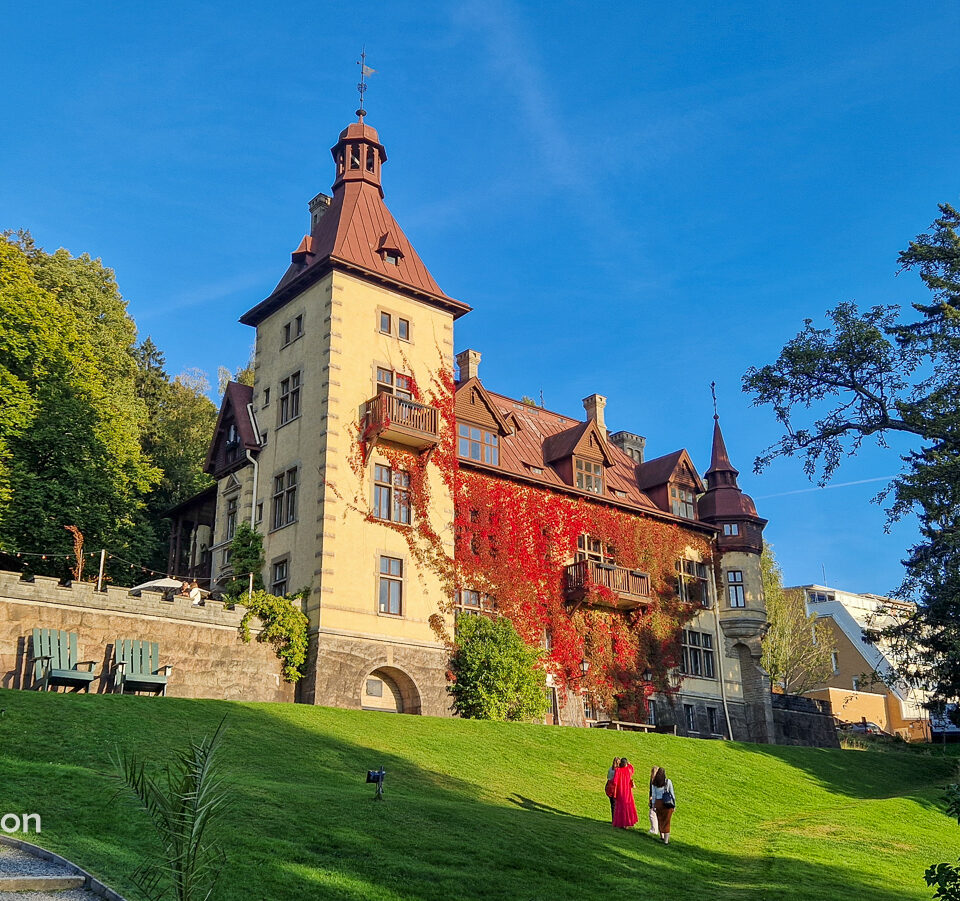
(713, 392)
(365, 70)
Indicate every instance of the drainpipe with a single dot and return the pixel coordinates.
(256, 468)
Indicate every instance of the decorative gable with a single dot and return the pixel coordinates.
(234, 435)
(474, 405)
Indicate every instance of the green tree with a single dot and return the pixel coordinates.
(945, 877)
(246, 556)
(70, 445)
(797, 650)
(871, 374)
(496, 675)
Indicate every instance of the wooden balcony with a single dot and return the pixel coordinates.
(403, 421)
(630, 588)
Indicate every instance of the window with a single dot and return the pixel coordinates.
(266, 397)
(386, 323)
(819, 597)
(731, 528)
(693, 582)
(374, 688)
(289, 398)
(285, 498)
(690, 715)
(354, 156)
(391, 586)
(835, 662)
(589, 707)
(681, 502)
(478, 444)
(392, 257)
(697, 654)
(467, 602)
(370, 159)
(233, 505)
(594, 549)
(652, 712)
(231, 450)
(589, 476)
(856, 684)
(403, 329)
(292, 330)
(279, 581)
(713, 718)
(391, 494)
(619, 493)
(735, 595)
(259, 512)
(390, 382)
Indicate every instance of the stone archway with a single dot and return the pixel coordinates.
(391, 690)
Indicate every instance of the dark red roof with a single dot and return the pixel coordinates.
(719, 459)
(723, 498)
(233, 410)
(540, 434)
(353, 234)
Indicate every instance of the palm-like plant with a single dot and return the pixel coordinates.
(185, 805)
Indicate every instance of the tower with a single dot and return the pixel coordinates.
(355, 325)
(742, 609)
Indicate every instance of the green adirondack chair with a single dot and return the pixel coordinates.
(137, 666)
(55, 661)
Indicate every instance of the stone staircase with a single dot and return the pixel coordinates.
(30, 873)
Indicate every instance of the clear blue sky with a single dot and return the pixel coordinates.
(636, 198)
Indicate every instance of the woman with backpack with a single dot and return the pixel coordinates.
(624, 810)
(664, 802)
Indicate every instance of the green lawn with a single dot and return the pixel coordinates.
(481, 810)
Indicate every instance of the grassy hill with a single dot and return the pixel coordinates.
(481, 810)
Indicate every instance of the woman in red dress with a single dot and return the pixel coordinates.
(625, 810)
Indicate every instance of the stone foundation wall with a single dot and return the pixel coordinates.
(803, 721)
(338, 665)
(202, 644)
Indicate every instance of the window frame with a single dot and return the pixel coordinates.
(690, 715)
(736, 593)
(594, 476)
(283, 508)
(283, 582)
(487, 444)
(393, 580)
(289, 406)
(697, 655)
(391, 484)
(384, 316)
(694, 572)
(232, 516)
(731, 530)
(683, 500)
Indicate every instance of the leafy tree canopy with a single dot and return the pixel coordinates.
(496, 675)
(870, 373)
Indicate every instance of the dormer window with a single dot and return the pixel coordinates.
(391, 257)
(682, 502)
(232, 446)
(478, 444)
(589, 476)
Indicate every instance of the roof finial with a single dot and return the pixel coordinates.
(365, 70)
(713, 392)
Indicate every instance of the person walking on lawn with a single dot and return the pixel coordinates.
(625, 810)
(654, 823)
(664, 802)
(608, 788)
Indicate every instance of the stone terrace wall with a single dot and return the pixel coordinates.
(202, 644)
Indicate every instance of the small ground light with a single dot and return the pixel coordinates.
(376, 777)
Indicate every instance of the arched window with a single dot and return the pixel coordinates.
(370, 159)
(354, 156)
(340, 163)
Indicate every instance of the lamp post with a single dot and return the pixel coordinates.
(584, 667)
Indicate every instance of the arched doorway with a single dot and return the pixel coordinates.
(391, 690)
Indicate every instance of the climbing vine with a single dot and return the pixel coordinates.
(284, 626)
(512, 541)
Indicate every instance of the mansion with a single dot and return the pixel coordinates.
(348, 455)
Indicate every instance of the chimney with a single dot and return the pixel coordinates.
(468, 361)
(632, 445)
(318, 206)
(594, 405)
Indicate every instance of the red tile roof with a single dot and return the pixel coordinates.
(233, 409)
(539, 434)
(351, 234)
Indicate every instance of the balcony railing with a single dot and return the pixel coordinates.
(629, 587)
(400, 420)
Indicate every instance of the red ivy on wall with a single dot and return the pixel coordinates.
(512, 542)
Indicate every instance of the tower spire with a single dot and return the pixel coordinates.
(365, 70)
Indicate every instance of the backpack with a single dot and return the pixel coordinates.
(669, 801)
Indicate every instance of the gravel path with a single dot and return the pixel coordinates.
(14, 862)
